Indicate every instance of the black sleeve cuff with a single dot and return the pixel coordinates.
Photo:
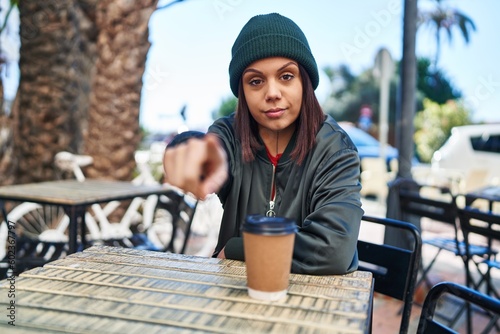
(184, 136)
(234, 249)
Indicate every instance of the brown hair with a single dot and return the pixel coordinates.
(310, 118)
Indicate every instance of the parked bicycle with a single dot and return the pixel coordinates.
(42, 230)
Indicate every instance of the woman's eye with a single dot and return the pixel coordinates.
(287, 77)
(255, 82)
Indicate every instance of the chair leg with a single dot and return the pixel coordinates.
(453, 319)
(425, 271)
(493, 323)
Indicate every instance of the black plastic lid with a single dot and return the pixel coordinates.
(259, 224)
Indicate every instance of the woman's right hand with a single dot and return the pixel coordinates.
(197, 166)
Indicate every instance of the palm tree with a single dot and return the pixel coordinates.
(56, 60)
(113, 133)
(81, 65)
(443, 19)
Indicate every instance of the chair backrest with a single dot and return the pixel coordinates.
(480, 223)
(417, 203)
(483, 223)
(394, 269)
(428, 325)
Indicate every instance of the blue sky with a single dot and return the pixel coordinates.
(191, 49)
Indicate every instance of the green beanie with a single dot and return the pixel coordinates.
(270, 35)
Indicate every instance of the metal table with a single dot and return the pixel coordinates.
(75, 197)
(489, 193)
(122, 290)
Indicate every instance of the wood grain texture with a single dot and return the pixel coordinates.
(126, 290)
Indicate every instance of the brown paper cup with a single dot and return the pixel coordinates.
(268, 245)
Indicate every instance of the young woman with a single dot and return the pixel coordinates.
(278, 154)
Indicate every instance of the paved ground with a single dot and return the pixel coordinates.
(386, 318)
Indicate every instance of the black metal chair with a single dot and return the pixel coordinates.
(412, 202)
(29, 254)
(394, 269)
(486, 225)
(428, 323)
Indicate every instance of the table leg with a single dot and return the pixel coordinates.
(75, 212)
(82, 212)
(4, 211)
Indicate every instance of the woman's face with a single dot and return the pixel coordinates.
(273, 92)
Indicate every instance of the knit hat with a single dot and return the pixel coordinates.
(270, 35)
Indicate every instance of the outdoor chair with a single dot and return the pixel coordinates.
(394, 269)
(439, 206)
(30, 254)
(428, 323)
(483, 225)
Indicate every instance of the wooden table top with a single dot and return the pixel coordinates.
(119, 290)
(73, 192)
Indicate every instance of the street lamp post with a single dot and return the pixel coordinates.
(384, 68)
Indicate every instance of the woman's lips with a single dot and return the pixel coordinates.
(275, 113)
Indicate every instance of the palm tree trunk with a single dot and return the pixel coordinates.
(113, 129)
(55, 64)
(438, 48)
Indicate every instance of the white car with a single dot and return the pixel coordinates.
(474, 151)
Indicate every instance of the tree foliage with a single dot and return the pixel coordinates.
(227, 106)
(350, 92)
(434, 123)
(442, 19)
(433, 84)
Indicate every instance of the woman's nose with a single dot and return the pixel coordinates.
(273, 91)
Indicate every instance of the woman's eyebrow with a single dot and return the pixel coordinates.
(251, 70)
(279, 69)
(288, 64)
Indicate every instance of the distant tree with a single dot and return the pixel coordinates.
(434, 123)
(227, 106)
(350, 92)
(433, 84)
(443, 19)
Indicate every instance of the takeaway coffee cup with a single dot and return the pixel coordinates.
(268, 245)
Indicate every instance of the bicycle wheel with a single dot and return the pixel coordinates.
(172, 221)
(40, 222)
(40, 237)
(160, 231)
